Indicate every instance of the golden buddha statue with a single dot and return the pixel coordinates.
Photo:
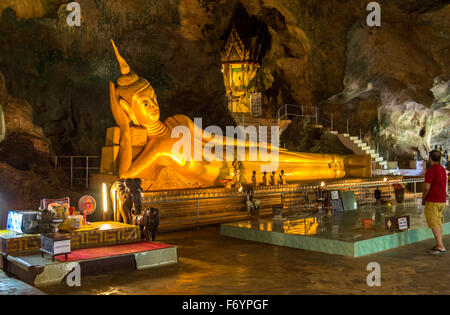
(135, 107)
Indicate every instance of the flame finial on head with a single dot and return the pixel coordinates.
(124, 67)
(128, 77)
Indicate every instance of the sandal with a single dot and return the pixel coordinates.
(437, 251)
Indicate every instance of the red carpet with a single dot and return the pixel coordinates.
(98, 252)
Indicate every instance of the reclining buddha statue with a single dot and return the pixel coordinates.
(135, 108)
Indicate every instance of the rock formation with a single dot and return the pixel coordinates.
(392, 82)
(397, 79)
(25, 172)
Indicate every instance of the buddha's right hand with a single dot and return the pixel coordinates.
(120, 116)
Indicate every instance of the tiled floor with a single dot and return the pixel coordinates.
(345, 226)
(341, 233)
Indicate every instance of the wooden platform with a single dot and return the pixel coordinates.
(42, 271)
(94, 235)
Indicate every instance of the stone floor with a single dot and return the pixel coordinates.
(12, 286)
(213, 264)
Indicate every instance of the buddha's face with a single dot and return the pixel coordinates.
(145, 107)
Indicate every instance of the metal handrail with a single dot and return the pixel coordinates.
(331, 122)
(70, 169)
(286, 114)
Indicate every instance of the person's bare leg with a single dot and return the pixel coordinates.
(442, 237)
(437, 231)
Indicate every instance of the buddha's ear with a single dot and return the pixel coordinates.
(120, 115)
(127, 108)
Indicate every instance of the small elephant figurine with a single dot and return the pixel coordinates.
(148, 221)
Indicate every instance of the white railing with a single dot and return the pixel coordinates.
(77, 168)
(289, 110)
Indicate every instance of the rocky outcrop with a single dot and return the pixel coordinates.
(18, 122)
(25, 173)
(400, 73)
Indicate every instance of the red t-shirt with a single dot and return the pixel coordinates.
(437, 177)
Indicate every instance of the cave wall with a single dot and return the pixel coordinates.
(25, 173)
(396, 81)
(64, 71)
(389, 80)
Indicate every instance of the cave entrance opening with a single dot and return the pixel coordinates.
(243, 47)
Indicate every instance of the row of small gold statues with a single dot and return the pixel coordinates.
(274, 181)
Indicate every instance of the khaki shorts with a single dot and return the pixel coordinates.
(434, 214)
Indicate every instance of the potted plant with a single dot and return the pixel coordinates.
(399, 192)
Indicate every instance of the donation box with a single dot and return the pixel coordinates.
(55, 244)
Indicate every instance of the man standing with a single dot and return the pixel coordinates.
(434, 199)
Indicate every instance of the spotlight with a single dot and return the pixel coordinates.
(105, 202)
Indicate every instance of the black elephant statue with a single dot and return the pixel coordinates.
(130, 206)
(148, 221)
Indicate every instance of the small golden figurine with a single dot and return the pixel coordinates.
(282, 178)
(265, 179)
(254, 182)
(273, 178)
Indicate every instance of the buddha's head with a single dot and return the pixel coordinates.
(135, 95)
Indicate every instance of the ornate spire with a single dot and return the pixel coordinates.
(128, 77)
(124, 67)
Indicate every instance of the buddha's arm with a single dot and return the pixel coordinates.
(125, 154)
(151, 157)
(183, 120)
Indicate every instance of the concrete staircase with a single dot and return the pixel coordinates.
(356, 145)
(359, 147)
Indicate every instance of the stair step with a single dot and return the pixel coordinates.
(346, 135)
(354, 138)
(334, 132)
